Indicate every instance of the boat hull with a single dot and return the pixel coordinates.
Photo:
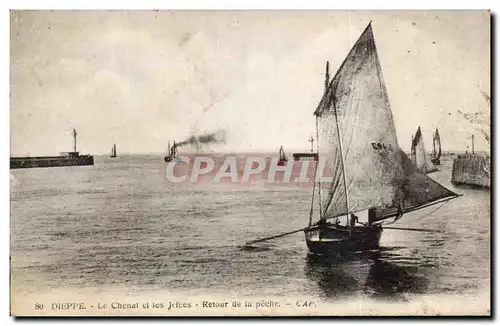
(177, 160)
(331, 240)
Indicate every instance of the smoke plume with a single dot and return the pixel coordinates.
(218, 137)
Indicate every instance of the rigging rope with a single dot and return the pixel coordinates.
(314, 180)
(434, 209)
(316, 170)
(444, 202)
(312, 199)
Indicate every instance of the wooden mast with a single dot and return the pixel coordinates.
(343, 162)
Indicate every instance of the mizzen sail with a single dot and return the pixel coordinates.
(418, 188)
(416, 191)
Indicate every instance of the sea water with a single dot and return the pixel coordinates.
(120, 224)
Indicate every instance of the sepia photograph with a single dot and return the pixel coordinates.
(250, 163)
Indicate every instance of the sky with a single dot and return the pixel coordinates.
(142, 78)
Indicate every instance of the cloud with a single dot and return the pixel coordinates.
(142, 78)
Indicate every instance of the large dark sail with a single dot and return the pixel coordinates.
(416, 191)
(357, 138)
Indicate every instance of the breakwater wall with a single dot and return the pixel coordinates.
(50, 161)
(471, 169)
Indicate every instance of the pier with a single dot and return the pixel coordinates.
(65, 159)
(472, 170)
(305, 156)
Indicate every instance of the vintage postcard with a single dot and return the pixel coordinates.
(250, 163)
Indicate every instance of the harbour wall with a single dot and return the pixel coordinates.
(471, 169)
(50, 161)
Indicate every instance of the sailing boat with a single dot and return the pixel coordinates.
(356, 136)
(419, 156)
(436, 148)
(113, 151)
(283, 159)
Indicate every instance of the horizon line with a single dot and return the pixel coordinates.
(231, 152)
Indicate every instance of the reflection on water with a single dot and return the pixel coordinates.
(387, 280)
(370, 273)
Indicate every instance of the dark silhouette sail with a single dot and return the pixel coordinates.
(417, 190)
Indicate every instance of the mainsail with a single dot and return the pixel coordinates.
(419, 155)
(357, 138)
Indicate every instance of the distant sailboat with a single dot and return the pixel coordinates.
(283, 159)
(419, 156)
(436, 148)
(113, 151)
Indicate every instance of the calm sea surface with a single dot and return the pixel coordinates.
(121, 223)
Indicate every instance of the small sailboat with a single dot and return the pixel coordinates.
(113, 151)
(436, 148)
(372, 175)
(419, 155)
(283, 159)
